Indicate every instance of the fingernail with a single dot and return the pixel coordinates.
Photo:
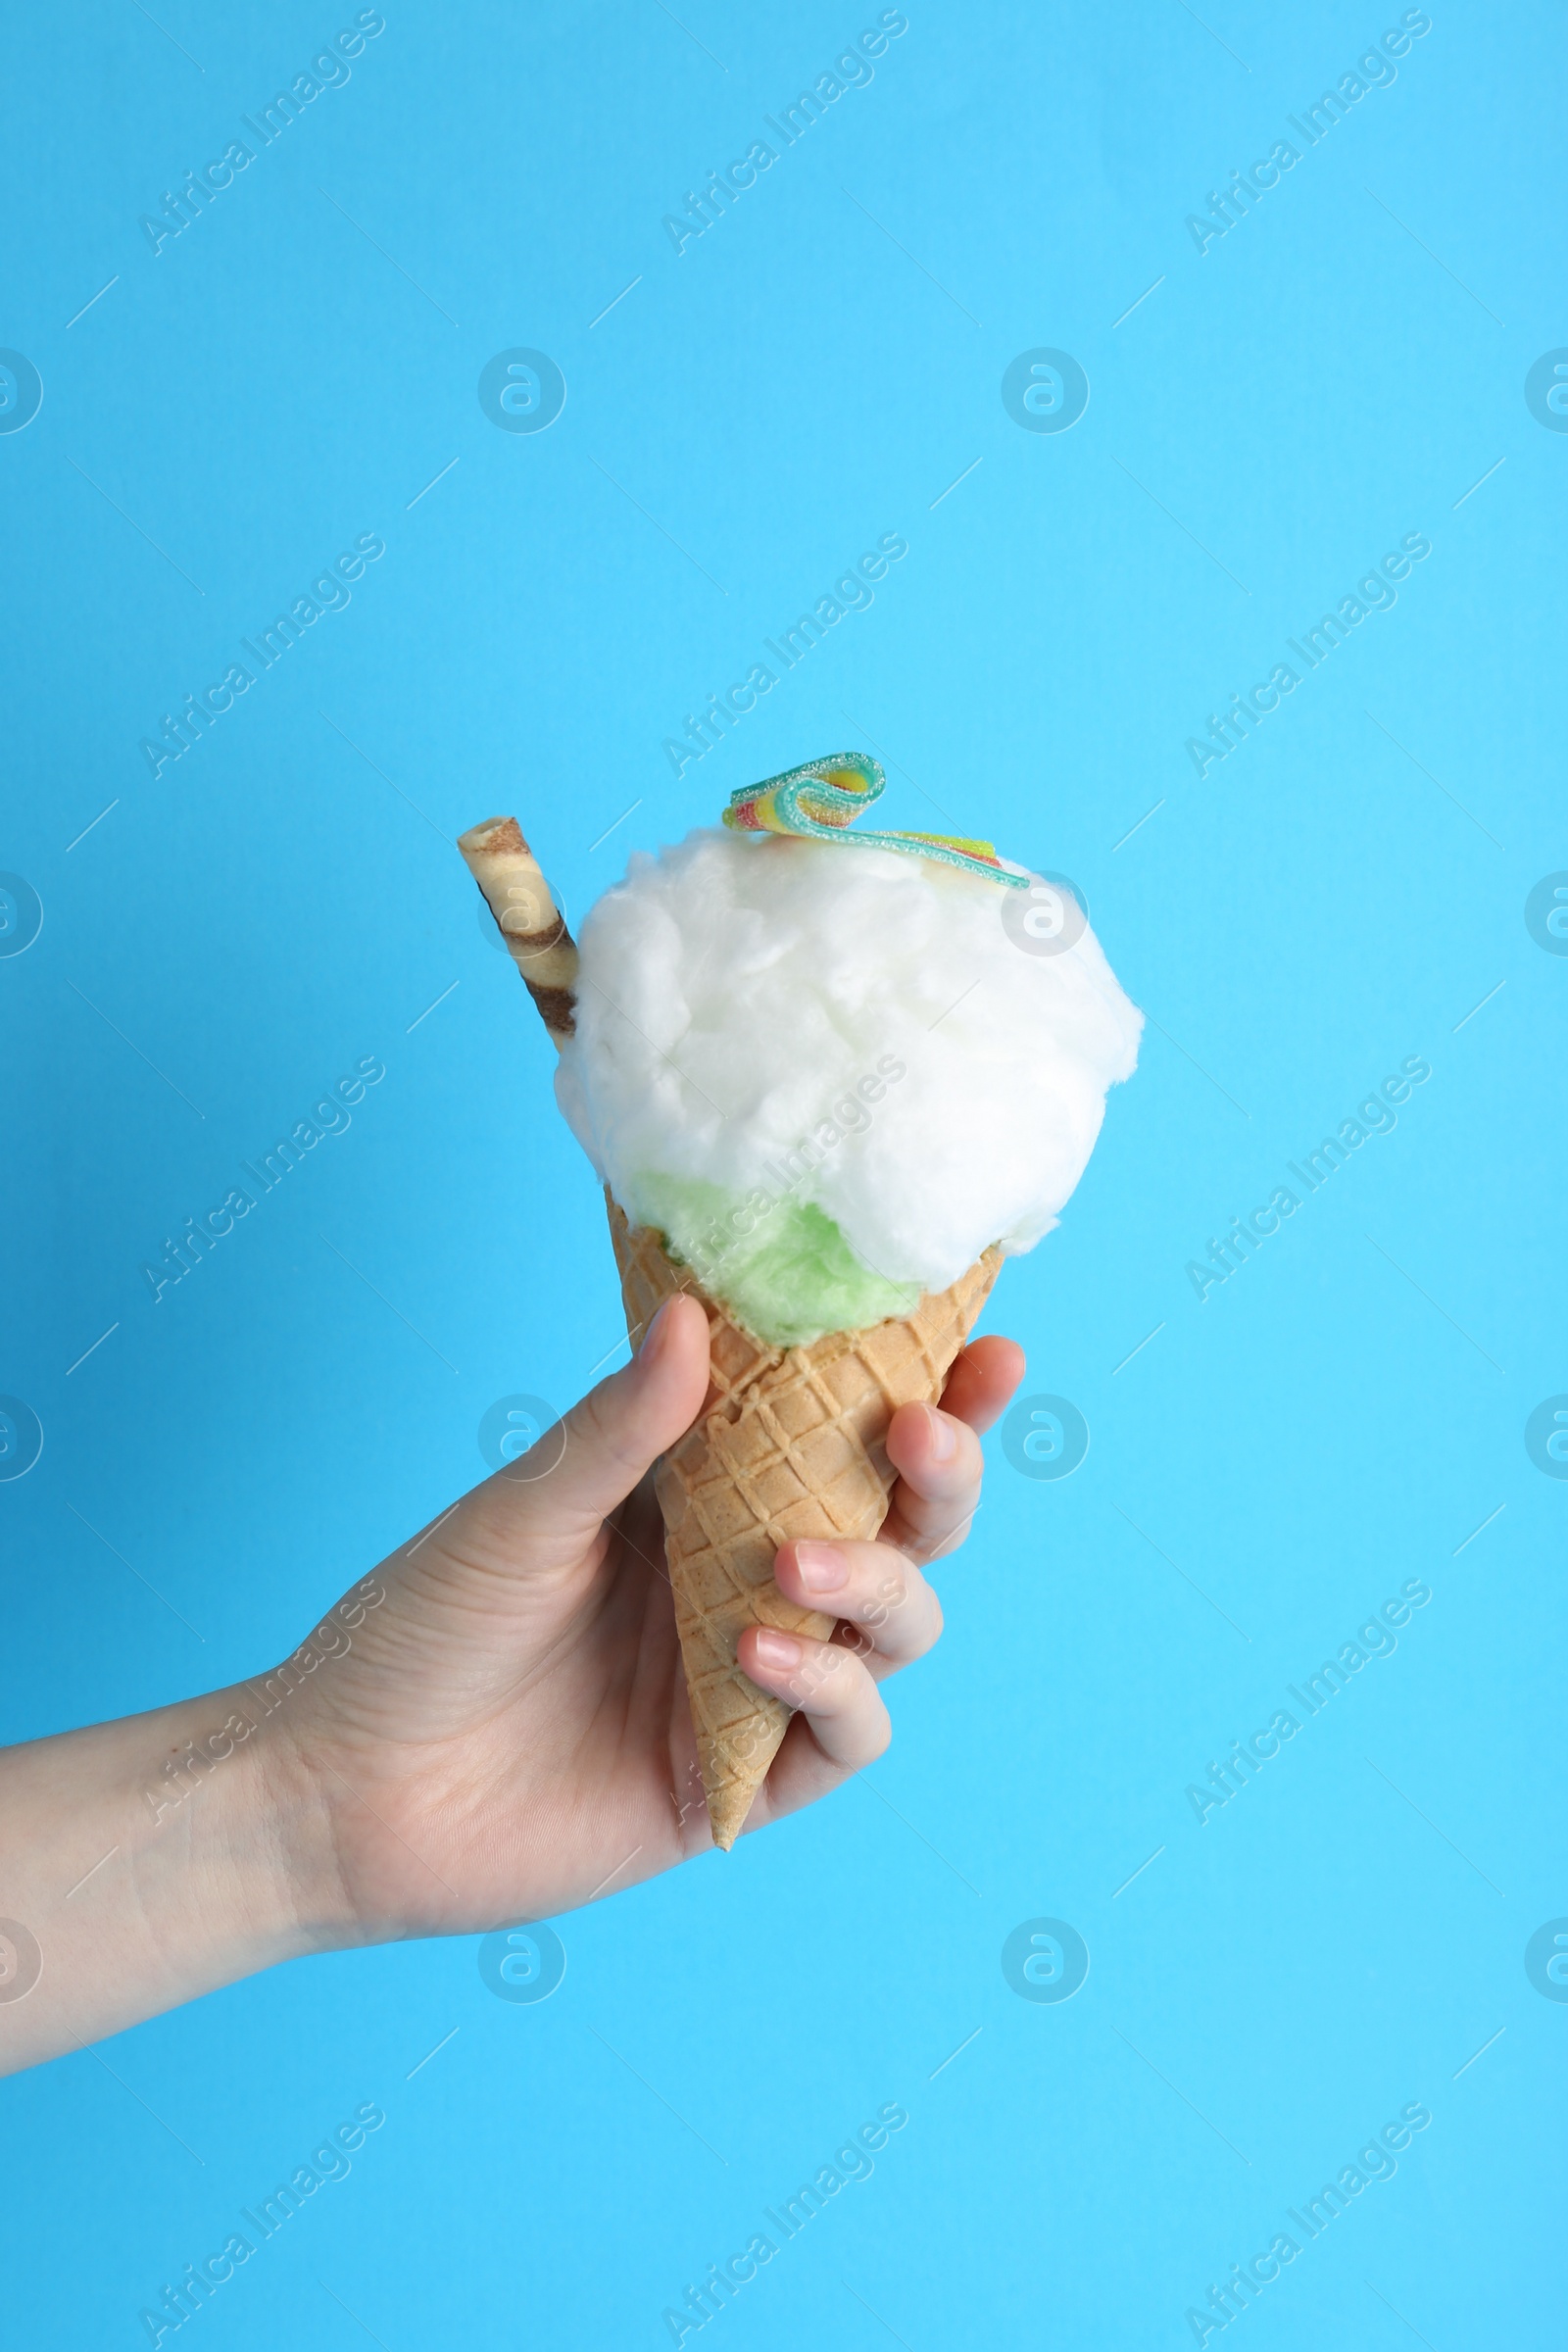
(655, 1336)
(944, 1436)
(776, 1650)
(822, 1568)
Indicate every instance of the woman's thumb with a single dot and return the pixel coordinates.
(611, 1437)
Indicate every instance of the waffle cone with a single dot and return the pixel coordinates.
(788, 1444)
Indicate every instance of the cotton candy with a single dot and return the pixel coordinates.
(765, 1024)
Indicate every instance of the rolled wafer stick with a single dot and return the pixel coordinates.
(528, 917)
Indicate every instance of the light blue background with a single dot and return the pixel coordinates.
(1339, 369)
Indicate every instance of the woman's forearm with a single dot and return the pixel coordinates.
(144, 1862)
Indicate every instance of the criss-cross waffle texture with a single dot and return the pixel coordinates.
(790, 1443)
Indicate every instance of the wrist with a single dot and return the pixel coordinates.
(184, 1840)
(212, 1819)
(264, 1824)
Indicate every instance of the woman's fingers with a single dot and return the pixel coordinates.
(982, 1381)
(936, 1451)
(887, 1612)
(831, 1690)
(938, 1463)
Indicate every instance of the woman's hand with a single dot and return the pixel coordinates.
(492, 1728)
(508, 1735)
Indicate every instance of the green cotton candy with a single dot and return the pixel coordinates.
(788, 1280)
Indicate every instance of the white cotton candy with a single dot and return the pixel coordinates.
(743, 1003)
